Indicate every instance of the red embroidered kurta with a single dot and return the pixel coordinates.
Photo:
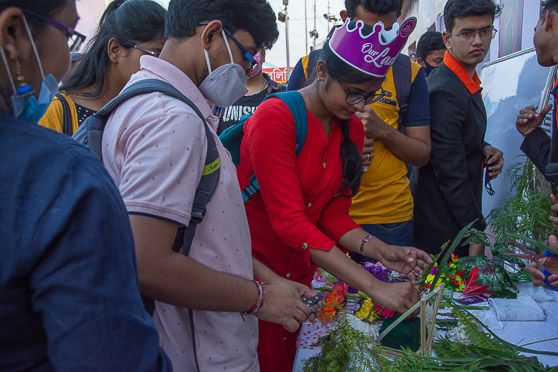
(299, 206)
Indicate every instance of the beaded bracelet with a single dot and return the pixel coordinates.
(259, 302)
(363, 242)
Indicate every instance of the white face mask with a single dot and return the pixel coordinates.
(225, 85)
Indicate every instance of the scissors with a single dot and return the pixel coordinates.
(313, 302)
(547, 273)
(529, 255)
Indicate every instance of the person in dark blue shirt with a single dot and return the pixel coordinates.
(430, 51)
(69, 297)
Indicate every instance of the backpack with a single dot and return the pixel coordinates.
(232, 136)
(90, 134)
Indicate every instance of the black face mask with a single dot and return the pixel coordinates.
(429, 69)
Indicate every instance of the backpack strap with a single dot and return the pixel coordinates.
(67, 127)
(295, 102)
(211, 172)
(403, 79)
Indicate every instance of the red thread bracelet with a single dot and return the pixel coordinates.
(259, 301)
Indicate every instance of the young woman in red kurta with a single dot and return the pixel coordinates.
(301, 215)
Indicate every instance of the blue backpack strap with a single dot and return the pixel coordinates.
(296, 105)
(295, 102)
(231, 138)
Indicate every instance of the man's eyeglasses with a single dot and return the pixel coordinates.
(247, 55)
(484, 33)
(75, 39)
(356, 98)
(152, 53)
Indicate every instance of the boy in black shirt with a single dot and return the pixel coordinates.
(430, 51)
(449, 191)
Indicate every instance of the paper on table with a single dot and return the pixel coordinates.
(523, 308)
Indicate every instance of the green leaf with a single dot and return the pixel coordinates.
(454, 244)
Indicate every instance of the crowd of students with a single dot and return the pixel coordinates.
(115, 264)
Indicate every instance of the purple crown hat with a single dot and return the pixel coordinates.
(374, 53)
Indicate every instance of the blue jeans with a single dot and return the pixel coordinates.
(400, 233)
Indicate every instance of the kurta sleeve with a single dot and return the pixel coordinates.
(271, 143)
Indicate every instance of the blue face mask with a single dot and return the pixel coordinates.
(25, 105)
(28, 108)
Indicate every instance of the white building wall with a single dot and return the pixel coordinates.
(90, 12)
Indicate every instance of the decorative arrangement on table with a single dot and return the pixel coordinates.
(454, 340)
(475, 349)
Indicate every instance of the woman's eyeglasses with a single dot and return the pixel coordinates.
(75, 39)
(356, 98)
(153, 53)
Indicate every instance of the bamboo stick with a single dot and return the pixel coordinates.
(434, 318)
(422, 326)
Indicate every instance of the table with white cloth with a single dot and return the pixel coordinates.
(517, 332)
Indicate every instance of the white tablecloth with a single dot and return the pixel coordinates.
(515, 332)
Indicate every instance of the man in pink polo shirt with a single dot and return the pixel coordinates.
(154, 148)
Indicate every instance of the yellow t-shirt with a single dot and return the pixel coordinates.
(54, 116)
(385, 194)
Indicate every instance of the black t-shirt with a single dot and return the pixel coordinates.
(245, 105)
(83, 113)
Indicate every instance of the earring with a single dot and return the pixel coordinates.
(22, 88)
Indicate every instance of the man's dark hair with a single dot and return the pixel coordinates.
(253, 16)
(429, 42)
(379, 7)
(550, 5)
(127, 21)
(47, 8)
(466, 8)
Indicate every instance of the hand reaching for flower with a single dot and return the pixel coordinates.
(405, 260)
